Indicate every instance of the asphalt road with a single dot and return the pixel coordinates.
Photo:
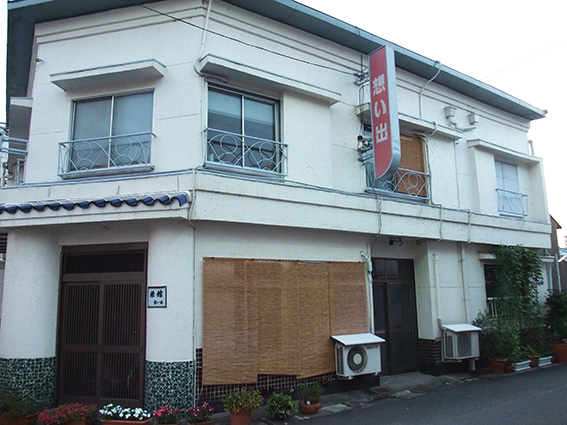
(534, 397)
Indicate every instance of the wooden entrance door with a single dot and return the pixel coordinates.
(101, 344)
(395, 314)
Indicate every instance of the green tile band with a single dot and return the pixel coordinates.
(169, 384)
(33, 378)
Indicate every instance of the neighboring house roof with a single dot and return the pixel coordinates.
(23, 14)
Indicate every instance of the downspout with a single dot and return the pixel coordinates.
(558, 275)
(436, 286)
(423, 87)
(203, 38)
(194, 277)
(464, 285)
(368, 268)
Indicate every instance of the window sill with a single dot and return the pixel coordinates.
(252, 172)
(131, 169)
(398, 195)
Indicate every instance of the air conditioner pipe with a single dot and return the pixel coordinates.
(425, 85)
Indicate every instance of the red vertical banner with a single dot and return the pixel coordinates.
(384, 112)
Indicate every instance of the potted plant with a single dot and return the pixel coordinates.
(309, 398)
(556, 321)
(119, 415)
(241, 404)
(280, 405)
(70, 413)
(16, 410)
(199, 414)
(500, 341)
(166, 415)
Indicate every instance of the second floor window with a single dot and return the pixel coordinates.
(109, 132)
(243, 131)
(411, 178)
(510, 200)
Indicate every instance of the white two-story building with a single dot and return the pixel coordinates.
(186, 207)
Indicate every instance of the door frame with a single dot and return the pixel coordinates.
(387, 351)
(104, 278)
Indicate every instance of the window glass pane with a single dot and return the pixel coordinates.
(499, 178)
(132, 114)
(92, 119)
(510, 177)
(259, 119)
(225, 112)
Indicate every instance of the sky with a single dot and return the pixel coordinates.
(519, 47)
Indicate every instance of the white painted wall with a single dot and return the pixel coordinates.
(321, 137)
(169, 332)
(31, 283)
(244, 218)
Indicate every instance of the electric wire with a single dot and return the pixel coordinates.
(245, 43)
(524, 60)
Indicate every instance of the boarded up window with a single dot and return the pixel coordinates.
(412, 154)
(412, 160)
(276, 317)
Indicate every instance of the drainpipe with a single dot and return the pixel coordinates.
(558, 275)
(437, 298)
(368, 266)
(203, 38)
(463, 282)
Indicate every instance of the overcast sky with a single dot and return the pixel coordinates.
(517, 46)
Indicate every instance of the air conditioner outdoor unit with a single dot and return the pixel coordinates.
(357, 354)
(460, 342)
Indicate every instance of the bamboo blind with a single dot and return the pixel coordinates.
(276, 317)
(315, 345)
(230, 323)
(349, 309)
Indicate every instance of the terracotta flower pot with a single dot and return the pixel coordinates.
(309, 409)
(561, 350)
(534, 361)
(241, 418)
(19, 420)
(498, 366)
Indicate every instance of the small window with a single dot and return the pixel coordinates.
(510, 200)
(243, 131)
(110, 132)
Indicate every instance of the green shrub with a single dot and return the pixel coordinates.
(500, 337)
(556, 316)
(280, 405)
(242, 401)
(12, 405)
(310, 393)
